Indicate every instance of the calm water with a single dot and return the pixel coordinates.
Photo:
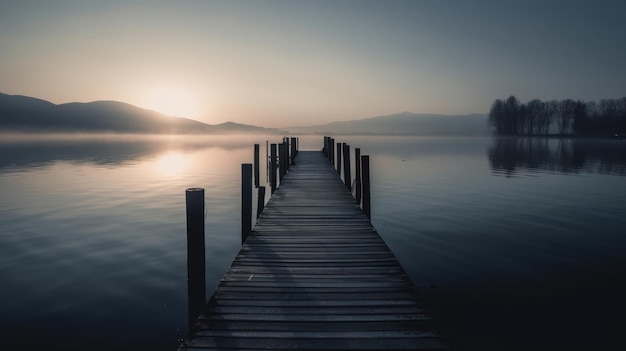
(515, 243)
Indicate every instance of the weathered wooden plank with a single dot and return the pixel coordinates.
(424, 343)
(313, 303)
(342, 310)
(205, 324)
(353, 296)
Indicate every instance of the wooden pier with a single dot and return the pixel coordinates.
(313, 275)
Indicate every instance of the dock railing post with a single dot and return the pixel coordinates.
(339, 151)
(256, 165)
(246, 201)
(357, 169)
(287, 155)
(347, 179)
(273, 167)
(331, 151)
(281, 161)
(365, 168)
(294, 153)
(260, 201)
(196, 286)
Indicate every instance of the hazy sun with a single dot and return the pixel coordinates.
(173, 102)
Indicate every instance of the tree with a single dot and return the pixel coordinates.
(565, 115)
(534, 109)
(549, 112)
(512, 113)
(497, 116)
(581, 118)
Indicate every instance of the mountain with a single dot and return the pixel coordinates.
(27, 114)
(405, 123)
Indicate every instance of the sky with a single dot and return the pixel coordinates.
(299, 63)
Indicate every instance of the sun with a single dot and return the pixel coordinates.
(173, 101)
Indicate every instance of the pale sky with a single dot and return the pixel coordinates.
(296, 63)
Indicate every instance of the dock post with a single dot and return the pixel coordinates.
(273, 168)
(281, 161)
(256, 165)
(331, 151)
(294, 153)
(357, 169)
(347, 179)
(339, 151)
(365, 167)
(260, 201)
(327, 147)
(287, 155)
(246, 201)
(196, 286)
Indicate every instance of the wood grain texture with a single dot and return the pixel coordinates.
(314, 275)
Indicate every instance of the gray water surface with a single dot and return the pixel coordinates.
(514, 243)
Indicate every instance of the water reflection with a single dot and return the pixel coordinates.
(516, 156)
(28, 152)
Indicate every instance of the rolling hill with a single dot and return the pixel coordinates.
(405, 123)
(27, 114)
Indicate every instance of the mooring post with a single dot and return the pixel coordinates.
(281, 160)
(357, 169)
(256, 165)
(294, 153)
(339, 151)
(196, 286)
(287, 155)
(331, 151)
(365, 165)
(273, 167)
(347, 179)
(260, 201)
(246, 201)
(328, 149)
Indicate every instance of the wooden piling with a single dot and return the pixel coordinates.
(325, 146)
(281, 161)
(365, 169)
(196, 286)
(331, 151)
(339, 151)
(357, 170)
(273, 167)
(260, 201)
(347, 178)
(246, 201)
(294, 151)
(287, 161)
(256, 165)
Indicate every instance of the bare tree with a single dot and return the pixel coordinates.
(534, 109)
(497, 116)
(565, 115)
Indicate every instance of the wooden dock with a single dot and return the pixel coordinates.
(314, 275)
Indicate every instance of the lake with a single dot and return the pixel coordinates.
(515, 243)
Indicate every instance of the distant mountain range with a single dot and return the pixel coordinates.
(27, 114)
(404, 123)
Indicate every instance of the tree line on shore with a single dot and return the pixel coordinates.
(606, 117)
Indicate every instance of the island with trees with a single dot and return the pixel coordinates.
(605, 118)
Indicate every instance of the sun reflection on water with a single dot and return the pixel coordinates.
(172, 164)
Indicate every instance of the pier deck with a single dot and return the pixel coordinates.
(314, 275)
